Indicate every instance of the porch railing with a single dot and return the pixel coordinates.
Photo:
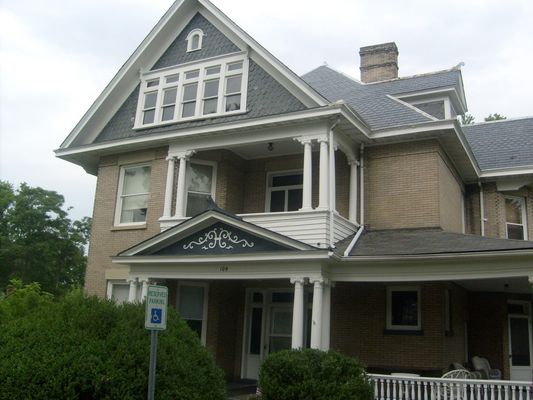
(390, 387)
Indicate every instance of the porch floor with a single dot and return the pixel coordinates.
(241, 390)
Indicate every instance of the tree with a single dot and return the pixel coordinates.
(494, 117)
(467, 119)
(38, 242)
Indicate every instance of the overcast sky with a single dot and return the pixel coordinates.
(56, 56)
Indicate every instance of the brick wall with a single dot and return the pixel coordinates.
(107, 241)
(411, 185)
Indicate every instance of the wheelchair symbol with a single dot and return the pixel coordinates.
(156, 316)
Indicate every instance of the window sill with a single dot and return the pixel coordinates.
(404, 332)
(138, 127)
(128, 227)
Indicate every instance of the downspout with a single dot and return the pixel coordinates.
(481, 208)
(361, 202)
(332, 184)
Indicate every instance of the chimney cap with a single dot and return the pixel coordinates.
(389, 46)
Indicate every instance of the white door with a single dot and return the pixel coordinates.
(520, 354)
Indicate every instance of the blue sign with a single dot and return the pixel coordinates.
(156, 317)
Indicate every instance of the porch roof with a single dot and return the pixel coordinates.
(425, 241)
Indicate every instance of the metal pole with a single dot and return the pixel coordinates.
(153, 361)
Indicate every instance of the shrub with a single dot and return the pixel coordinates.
(313, 375)
(83, 347)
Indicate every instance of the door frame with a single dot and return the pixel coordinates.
(527, 316)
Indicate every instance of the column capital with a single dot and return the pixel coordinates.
(321, 280)
(530, 279)
(303, 140)
(171, 158)
(353, 161)
(186, 154)
(323, 140)
(298, 280)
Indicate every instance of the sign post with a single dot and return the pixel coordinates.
(155, 320)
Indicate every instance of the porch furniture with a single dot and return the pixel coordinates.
(482, 365)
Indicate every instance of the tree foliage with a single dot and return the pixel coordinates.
(467, 119)
(494, 117)
(79, 347)
(38, 242)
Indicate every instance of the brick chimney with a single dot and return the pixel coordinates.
(379, 62)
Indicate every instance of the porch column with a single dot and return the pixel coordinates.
(132, 295)
(144, 291)
(531, 283)
(308, 175)
(181, 194)
(323, 199)
(316, 321)
(170, 187)
(326, 317)
(352, 211)
(298, 313)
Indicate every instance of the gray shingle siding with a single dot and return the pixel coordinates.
(215, 43)
(502, 144)
(370, 101)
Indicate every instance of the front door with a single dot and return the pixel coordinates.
(520, 348)
(268, 327)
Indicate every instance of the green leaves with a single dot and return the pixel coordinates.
(38, 242)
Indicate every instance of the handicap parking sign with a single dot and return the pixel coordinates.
(156, 308)
(156, 316)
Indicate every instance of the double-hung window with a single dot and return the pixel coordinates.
(515, 218)
(284, 191)
(403, 308)
(133, 195)
(201, 184)
(195, 90)
(192, 307)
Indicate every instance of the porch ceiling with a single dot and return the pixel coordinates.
(501, 285)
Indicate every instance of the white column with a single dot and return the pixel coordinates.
(144, 291)
(323, 200)
(169, 187)
(316, 321)
(298, 314)
(308, 176)
(132, 295)
(181, 194)
(352, 211)
(326, 317)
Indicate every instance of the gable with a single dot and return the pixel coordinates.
(218, 239)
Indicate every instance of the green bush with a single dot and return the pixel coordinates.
(82, 347)
(313, 375)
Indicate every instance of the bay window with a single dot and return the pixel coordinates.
(193, 90)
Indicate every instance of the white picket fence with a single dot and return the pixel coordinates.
(388, 387)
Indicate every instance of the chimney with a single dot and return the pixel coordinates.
(379, 62)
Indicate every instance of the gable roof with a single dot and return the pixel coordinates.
(154, 46)
(502, 144)
(163, 244)
(372, 102)
(398, 242)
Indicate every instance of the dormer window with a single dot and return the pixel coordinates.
(194, 40)
(193, 91)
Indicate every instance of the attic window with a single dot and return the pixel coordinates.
(193, 91)
(194, 40)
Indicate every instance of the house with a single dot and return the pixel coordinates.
(322, 211)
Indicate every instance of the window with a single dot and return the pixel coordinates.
(515, 218)
(284, 192)
(118, 291)
(192, 306)
(403, 308)
(201, 178)
(133, 195)
(193, 91)
(194, 40)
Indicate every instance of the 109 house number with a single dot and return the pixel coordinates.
(223, 268)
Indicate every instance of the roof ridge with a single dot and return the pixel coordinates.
(334, 70)
(456, 68)
(499, 120)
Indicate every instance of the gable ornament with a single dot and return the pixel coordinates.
(219, 237)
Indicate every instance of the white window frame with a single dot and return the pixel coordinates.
(115, 282)
(205, 286)
(119, 201)
(195, 32)
(212, 164)
(181, 70)
(269, 189)
(522, 201)
(390, 326)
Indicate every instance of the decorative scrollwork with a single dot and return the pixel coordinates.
(218, 237)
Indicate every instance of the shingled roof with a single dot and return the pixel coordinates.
(502, 144)
(371, 102)
(426, 241)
